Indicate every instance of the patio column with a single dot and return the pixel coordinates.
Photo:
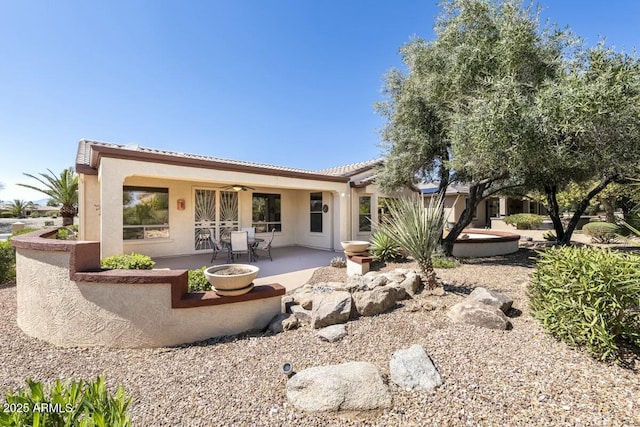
(503, 206)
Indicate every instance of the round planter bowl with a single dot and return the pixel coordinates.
(355, 246)
(231, 282)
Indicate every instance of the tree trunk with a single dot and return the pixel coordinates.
(554, 211)
(465, 219)
(67, 213)
(608, 209)
(582, 206)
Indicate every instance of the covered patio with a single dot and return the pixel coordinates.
(292, 266)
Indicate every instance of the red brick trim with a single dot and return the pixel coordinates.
(358, 259)
(84, 266)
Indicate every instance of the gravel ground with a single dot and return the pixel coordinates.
(501, 378)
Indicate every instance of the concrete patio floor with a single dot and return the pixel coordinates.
(292, 266)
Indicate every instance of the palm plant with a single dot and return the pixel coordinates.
(18, 208)
(417, 230)
(62, 189)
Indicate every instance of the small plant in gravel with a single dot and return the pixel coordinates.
(588, 297)
(384, 247)
(74, 403)
(198, 281)
(601, 232)
(445, 262)
(338, 262)
(7, 262)
(132, 261)
(524, 221)
(549, 236)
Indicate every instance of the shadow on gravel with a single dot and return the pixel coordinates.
(524, 257)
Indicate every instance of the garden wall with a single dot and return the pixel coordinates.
(64, 298)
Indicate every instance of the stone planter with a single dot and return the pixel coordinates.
(355, 246)
(231, 279)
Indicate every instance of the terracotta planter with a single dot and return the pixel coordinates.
(355, 246)
(231, 279)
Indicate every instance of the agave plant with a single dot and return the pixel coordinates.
(417, 230)
(383, 246)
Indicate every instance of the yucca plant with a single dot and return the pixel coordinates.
(417, 230)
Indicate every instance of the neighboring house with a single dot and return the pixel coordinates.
(456, 200)
(162, 203)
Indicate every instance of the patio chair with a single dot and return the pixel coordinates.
(251, 231)
(215, 244)
(266, 246)
(239, 245)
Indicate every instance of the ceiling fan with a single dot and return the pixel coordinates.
(237, 187)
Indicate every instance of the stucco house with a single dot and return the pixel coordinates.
(492, 209)
(162, 203)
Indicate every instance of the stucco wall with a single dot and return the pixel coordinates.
(122, 308)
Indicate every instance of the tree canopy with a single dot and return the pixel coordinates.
(498, 102)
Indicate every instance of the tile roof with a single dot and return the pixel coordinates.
(83, 159)
(352, 169)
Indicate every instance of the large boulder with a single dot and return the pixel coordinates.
(352, 386)
(490, 297)
(330, 308)
(479, 314)
(412, 369)
(376, 301)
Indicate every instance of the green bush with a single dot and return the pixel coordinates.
(7, 262)
(24, 231)
(444, 262)
(133, 261)
(6, 215)
(198, 281)
(524, 221)
(74, 403)
(52, 214)
(601, 232)
(549, 236)
(384, 247)
(589, 297)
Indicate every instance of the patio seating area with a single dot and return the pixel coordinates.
(292, 265)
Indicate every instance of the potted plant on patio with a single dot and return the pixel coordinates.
(231, 279)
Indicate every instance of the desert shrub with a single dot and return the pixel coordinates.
(444, 262)
(67, 233)
(7, 262)
(588, 297)
(550, 236)
(52, 214)
(6, 215)
(198, 281)
(384, 247)
(601, 232)
(133, 261)
(338, 262)
(35, 214)
(73, 403)
(524, 221)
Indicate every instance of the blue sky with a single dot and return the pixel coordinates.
(286, 82)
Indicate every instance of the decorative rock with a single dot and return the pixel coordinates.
(378, 281)
(412, 369)
(379, 300)
(479, 314)
(304, 299)
(301, 314)
(418, 305)
(333, 333)
(494, 298)
(411, 283)
(283, 322)
(330, 308)
(395, 276)
(352, 386)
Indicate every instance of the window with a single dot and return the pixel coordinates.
(315, 209)
(145, 213)
(364, 216)
(266, 213)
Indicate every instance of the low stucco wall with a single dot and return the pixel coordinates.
(505, 243)
(64, 299)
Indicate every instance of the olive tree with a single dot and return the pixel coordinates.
(480, 73)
